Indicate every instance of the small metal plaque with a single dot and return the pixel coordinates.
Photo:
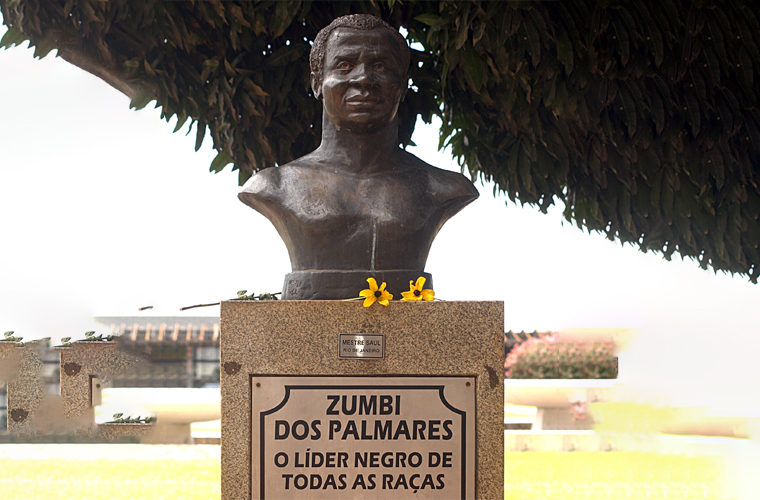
(361, 345)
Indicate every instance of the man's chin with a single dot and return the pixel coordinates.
(360, 124)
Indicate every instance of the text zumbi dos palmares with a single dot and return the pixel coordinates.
(364, 470)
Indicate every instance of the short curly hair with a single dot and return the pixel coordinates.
(358, 22)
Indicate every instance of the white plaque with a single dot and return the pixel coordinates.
(361, 345)
(363, 437)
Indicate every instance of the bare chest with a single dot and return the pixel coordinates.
(320, 200)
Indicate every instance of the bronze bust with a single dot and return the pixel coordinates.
(359, 205)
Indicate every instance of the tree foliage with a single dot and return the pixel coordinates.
(642, 117)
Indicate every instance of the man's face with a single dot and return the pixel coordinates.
(362, 79)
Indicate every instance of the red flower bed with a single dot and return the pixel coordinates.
(548, 358)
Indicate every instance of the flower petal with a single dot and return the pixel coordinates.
(408, 295)
(370, 300)
(382, 287)
(420, 283)
(427, 294)
(366, 293)
(384, 295)
(383, 302)
(372, 284)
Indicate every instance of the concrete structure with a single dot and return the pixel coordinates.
(180, 351)
(553, 400)
(175, 409)
(438, 339)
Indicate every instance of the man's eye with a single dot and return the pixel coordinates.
(380, 66)
(343, 66)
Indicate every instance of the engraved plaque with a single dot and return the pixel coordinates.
(363, 437)
(361, 345)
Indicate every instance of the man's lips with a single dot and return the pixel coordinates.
(362, 99)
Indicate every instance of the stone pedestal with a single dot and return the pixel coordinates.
(84, 367)
(26, 391)
(441, 375)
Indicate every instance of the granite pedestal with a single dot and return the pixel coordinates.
(455, 348)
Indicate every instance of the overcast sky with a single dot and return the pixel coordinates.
(103, 210)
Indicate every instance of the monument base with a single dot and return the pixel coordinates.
(337, 285)
(333, 400)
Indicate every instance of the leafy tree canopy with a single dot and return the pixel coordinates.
(642, 117)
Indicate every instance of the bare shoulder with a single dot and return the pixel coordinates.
(447, 184)
(270, 182)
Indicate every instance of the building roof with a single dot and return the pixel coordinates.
(511, 339)
(205, 330)
(164, 329)
(515, 337)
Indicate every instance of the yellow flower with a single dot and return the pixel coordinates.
(416, 292)
(373, 294)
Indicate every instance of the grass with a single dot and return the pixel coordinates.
(43, 479)
(610, 475)
(178, 473)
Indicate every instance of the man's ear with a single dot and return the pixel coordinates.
(316, 88)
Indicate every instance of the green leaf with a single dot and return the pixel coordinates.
(713, 66)
(429, 19)
(717, 38)
(662, 86)
(629, 106)
(478, 33)
(624, 207)
(718, 169)
(693, 117)
(286, 54)
(534, 45)
(550, 90)
(475, 68)
(243, 176)
(724, 114)
(200, 134)
(222, 160)
(42, 47)
(523, 166)
(141, 99)
(463, 27)
(12, 37)
(638, 97)
(284, 14)
(255, 89)
(744, 67)
(132, 64)
(514, 154)
(667, 198)
(622, 40)
(565, 53)
(658, 111)
(181, 119)
(249, 106)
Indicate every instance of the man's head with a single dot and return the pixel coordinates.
(362, 22)
(359, 67)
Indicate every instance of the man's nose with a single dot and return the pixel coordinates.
(363, 75)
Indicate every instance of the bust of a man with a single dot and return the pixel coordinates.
(359, 205)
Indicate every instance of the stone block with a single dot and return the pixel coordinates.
(422, 339)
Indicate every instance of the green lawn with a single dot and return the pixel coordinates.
(32, 479)
(614, 475)
(183, 475)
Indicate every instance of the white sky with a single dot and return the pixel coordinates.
(103, 210)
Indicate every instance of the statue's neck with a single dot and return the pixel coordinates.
(366, 153)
